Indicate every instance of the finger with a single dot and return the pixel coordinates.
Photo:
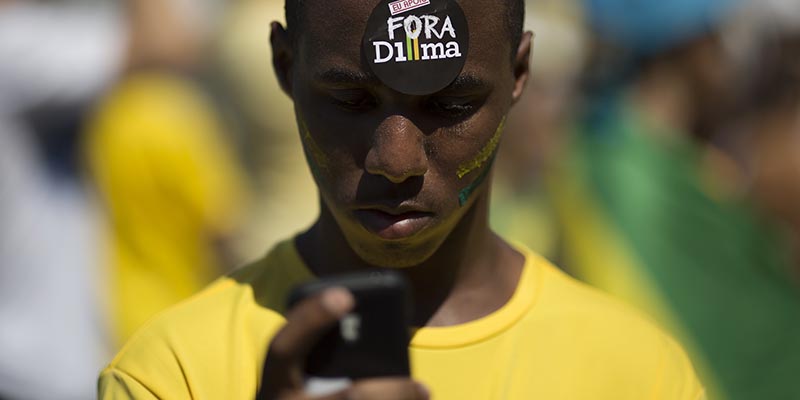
(305, 324)
(383, 389)
(307, 321)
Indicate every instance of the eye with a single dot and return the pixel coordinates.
(353, 99)
(452, 107)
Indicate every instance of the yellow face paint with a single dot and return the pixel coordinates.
(485, 154)
(319, 160)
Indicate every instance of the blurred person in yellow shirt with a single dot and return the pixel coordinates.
(164, 169)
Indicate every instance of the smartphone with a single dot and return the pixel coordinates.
(372, 340)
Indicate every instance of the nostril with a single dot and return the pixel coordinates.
(397, 167)
(374, 188)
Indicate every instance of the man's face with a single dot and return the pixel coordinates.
(397, 172)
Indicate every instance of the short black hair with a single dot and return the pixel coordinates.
(515, 18)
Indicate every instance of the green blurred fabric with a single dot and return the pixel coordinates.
(722, 272)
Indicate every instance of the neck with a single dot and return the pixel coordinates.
(472, 274)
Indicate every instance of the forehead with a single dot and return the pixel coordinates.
(333, 31)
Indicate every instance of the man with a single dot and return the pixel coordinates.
(402, 182)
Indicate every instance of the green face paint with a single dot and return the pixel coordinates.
(487, 154)
(318, 160)
(464, 195)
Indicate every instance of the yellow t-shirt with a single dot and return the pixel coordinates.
(555, 339)
(171, 186)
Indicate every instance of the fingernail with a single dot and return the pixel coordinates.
(337, 301)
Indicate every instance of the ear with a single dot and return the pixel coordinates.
(522, 62)
(282, 56)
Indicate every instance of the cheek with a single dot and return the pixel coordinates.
(484, 155)
(318, 160)
(324, 138)
(471, 164)
(332, 168)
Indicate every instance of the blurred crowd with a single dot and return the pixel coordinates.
(145, 149)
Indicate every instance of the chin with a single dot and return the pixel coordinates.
(394, 254)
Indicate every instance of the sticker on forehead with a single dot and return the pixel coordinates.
(416, 47)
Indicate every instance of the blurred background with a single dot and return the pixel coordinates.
(146, 149)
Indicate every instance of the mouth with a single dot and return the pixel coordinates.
(393, 223)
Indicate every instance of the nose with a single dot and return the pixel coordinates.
(397, 151)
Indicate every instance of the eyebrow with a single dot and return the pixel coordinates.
(340, 76)
(467, 82)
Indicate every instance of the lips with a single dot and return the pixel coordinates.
(393, 224)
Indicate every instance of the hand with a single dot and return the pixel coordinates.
(306, 323)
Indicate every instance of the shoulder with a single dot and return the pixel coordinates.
(156, 112)
(177, 352)
(216, 339)
(564, 297)
(598, 331)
